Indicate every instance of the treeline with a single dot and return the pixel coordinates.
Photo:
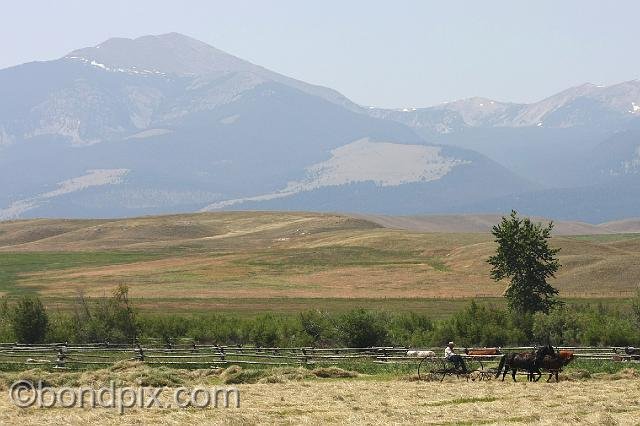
(114, 319)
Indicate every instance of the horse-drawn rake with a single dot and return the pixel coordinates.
(436, 369)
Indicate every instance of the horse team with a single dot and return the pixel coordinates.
(544, 358)
(533, 362)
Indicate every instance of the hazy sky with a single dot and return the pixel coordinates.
(383, 53)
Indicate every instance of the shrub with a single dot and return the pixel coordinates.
(168, 328)
(411, 329)
(361, 328)
(111, 319)
(264, 331)
(319, 328)
(29, 320)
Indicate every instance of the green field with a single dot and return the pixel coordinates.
(14, 265)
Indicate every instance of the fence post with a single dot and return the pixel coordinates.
(140, 353)
(60, 359)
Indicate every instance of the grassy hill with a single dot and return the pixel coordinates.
(252, 261)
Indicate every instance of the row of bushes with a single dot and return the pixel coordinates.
(114, 319)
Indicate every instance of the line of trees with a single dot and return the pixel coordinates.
(114, 319)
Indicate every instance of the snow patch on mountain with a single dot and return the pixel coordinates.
(131, 70)
(97, 177)
(383, 163)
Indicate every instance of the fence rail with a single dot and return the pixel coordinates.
(75, 357)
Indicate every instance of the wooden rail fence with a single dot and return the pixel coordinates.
(193, 355)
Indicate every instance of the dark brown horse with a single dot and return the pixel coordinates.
(554, 363)
(528, 361)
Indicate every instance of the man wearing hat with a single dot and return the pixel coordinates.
(453, 357)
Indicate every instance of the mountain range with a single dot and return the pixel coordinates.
(163, 124)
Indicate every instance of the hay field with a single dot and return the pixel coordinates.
(200, 260)
(363, 401)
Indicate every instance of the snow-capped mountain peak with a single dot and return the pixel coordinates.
(171, 53)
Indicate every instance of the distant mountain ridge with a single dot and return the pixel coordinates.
(583, 105)
(571, 139)
(166, 123)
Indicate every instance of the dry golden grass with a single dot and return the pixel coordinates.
(298, 255)
(358, 401)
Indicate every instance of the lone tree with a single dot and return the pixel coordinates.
(524, 256)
